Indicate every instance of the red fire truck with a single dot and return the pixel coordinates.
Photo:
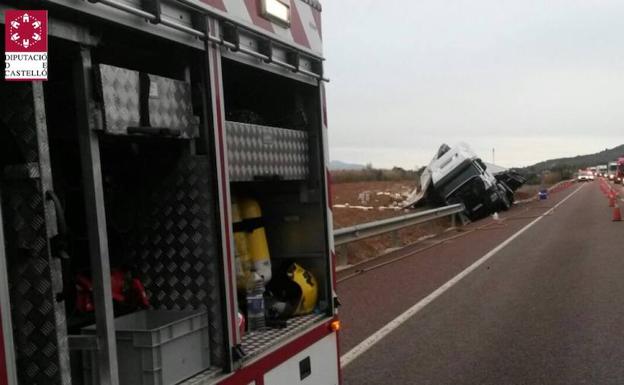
(164, 215)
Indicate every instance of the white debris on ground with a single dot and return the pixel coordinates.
(426, 237)
(396, 196)
(391, 207)
(348, 206)
(367, 198)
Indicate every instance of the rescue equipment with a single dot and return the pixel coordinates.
(126, 289)
(294, 292)
(243, 262)
(309, 288)
(257, 245)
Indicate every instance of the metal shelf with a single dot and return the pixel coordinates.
(259, 341)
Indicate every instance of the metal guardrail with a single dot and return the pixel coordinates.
(371, 229)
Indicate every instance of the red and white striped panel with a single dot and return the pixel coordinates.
(330, 217)
(305, 26)
(328, 187)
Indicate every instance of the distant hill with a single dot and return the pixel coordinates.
(564, 168)
(339, 165)
(579, 161)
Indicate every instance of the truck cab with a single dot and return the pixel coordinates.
(458, 175)
(612, 170)
(601, 170)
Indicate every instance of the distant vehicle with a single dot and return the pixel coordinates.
(601, 170)
(457, 175)
(593, 170)
(585, 176)
(619, 175)
(611, 170)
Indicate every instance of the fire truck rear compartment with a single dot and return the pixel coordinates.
(160, 202)
(278, 162)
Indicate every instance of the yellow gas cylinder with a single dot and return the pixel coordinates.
(242, 258)
(256, 237)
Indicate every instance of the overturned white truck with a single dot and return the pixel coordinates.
(457, 175)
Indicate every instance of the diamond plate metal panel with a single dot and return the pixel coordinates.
(120, 89)
(177, 249)
(256, 151)
(170, 105)
(133, 99)
(22, 171)
(34, 277)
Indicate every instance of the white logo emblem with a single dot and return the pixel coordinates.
(30, 29)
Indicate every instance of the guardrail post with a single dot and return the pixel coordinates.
(396, 239)
(453, 220)
(342, 254)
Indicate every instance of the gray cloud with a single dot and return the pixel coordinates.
(534, 79)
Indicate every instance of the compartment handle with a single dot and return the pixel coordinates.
(60, 240)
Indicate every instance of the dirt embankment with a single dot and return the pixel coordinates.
(362, 202)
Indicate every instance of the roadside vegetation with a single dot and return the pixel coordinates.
(371, 174)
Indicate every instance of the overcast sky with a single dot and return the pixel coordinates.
(534, 79)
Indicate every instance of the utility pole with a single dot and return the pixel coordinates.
(493, 156)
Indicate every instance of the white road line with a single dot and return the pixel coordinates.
(374, 338)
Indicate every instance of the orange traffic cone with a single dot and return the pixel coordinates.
(617, 216)
(611, 200)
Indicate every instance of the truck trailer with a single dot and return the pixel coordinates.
(165, 215)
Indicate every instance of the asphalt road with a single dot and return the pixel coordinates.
(548, 308)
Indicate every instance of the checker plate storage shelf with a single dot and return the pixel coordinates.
(145, 103)
(120, 96)
(258, 152)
